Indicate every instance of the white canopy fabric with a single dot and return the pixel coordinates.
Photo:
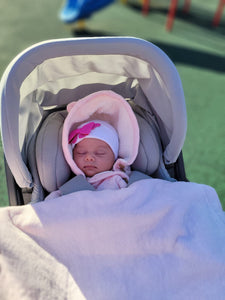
(53, 73)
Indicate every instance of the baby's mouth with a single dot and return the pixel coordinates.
(90, 167)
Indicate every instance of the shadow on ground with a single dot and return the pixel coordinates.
(177, 54)
(192, 57)
(86, 32)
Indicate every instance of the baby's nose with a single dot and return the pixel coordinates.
(89, 157)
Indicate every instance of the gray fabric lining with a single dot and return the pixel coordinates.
(79, 183)
(136, 176)
(76, 184)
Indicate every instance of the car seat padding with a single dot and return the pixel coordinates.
(52, 167)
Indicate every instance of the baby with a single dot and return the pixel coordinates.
(99, 152)
(95, 147)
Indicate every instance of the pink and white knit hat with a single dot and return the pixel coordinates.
(96, 129)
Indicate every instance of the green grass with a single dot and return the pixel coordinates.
(197, 49)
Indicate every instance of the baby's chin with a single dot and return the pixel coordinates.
(90, 171)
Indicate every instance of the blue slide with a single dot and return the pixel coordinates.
(74, 10)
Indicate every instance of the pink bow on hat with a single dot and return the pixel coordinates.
(82, 131)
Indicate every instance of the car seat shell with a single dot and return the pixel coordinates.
(50, 74)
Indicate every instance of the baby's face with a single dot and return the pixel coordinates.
(93, 156)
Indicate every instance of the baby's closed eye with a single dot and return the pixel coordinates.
(100, 153)
(81, 152)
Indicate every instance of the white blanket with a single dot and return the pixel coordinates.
(152, 240)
